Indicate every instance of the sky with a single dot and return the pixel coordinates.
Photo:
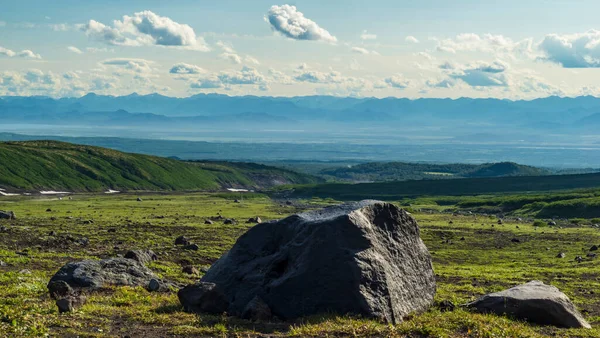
(380, 48)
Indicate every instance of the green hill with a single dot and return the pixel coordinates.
(401, 171)
(52, 165)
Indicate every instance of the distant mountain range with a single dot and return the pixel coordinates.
(215, 107)
(312, 119)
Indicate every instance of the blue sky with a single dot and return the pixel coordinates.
(509, 49)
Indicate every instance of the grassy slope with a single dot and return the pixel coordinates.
(485, 261)
(469, 186)
(63, 166)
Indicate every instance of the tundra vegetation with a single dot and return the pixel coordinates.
(473, 254)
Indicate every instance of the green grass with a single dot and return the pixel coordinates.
(485, 261)
(51, 165)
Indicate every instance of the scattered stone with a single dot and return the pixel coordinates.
(535, 302)
(3, 229)
(59, 289)
(363, 258)
(255, 220)
(190, 270)
(208, 222)
(515, 240)
(288, 202)
(100, 273)
(112, 230)
(139, 199)
(48, 210)
(142, 256)
(203, 298)
(228, 221)
(70, 303)
(257, 310)
(192, 247)
(446, 306)
(594, 248)
(153, 285)
(462, 238)
(7, 215)
(25, 272)
(500, 221)
(561, 255)
(591, 255)
(3, 263)
(552, 223)
(236, 201)
(52, 233)
(182, 240)
(157, 285)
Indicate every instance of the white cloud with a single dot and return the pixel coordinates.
(99, 50)
(133, 65)
(226, 79)
(471, 42)
(364, 51)
(62, 27)
(397, 81)
(145, 29)
(186, 69)
(2, 23)
(231, 57)
(74, 50)
(572, 51)
(411, 39)
(252, 60)
(23, 54)
(290, 22)
(367, 36)
(481, 74)
(319, 77)
(225, 46)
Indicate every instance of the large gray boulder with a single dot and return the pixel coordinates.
(97, 274)
(535, 302)
(363, 258)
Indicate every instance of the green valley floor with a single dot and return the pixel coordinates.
(472, 254)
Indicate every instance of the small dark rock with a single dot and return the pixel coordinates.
(515, 240)
(446, 306)
(203, 298)
(193, 247)
(139, 199)
(7, 215)
(228, 221)
(594, 248)
(70, 303)
(182, 240)
(561, 255)
(48, 210)
(208, 222)
(190, 270)
(142, 256)
(59, 289)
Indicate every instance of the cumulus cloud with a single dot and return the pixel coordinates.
(186, 69)
(292, 23)
(226, 79)
(363, 51)
(397, 81)
(367, 36)
(319, 77)
(411, 39)
(38, 82)
(231, 57)
(572, 51)
(145, 29)
(474, 42)
(133, 65)
(481, 74)
(23, 54)
(74, 50)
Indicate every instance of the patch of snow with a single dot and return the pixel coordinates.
(110, 191)
(2, 193)
(237, 190)
(54, 192)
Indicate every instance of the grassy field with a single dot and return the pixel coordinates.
(52, 165)
(486, 260)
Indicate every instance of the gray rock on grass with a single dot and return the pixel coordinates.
(535, 302)
(363, 258)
